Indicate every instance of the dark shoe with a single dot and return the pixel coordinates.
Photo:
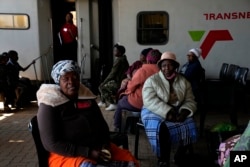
(180, 154)
(163, 164)
(7, 109)
(116, 130)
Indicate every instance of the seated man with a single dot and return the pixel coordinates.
(132, 98)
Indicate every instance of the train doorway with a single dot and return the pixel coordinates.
(58, 10)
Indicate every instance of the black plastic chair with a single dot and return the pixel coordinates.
(241, 76)
(223, 71)
(220, 94)
(42, 154)
(117, 138)
(241, 94)
(139, 126)
(128, 120)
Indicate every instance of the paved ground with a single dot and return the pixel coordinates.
(17, 148)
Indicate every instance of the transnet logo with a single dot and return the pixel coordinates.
(212, 37)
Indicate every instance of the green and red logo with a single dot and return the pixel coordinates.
(212, 37)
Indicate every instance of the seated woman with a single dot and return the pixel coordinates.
(194, 72)
(167, 112)
(71, 125)
(132, 69)
(132, 98)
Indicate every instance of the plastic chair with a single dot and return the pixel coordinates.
(116, 137)
(242, 93)
(241, 75)
(223, 71)
(220, 94)
(139, 126)
(41, 152)
(126, 114)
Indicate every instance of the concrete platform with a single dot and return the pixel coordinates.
(17, 147)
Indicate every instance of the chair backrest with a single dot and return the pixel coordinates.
(232, 72)
(241, 75)
(41, 152)
(223, 71)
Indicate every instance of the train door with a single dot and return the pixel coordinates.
(58, 11)
(95, 31)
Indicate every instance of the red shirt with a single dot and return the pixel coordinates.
(68, 33)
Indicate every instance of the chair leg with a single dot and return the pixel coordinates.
(203, 113)
(137, 135)
(125, 142)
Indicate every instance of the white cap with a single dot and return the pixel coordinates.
(196, 51)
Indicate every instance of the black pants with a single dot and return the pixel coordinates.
(165, 147)
(165, 144)
(69, 51)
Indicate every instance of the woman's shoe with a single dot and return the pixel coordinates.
(162, 164)
(101, 104)
(111, 107)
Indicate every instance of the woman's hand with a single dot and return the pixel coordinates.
(101, 155)
(95, 154)
(171, 116)
(181, 117)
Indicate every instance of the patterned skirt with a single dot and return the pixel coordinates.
(181, 133)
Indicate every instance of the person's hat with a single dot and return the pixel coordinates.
(153, 56)
(168, 56)
(145, 52)
(196, 52)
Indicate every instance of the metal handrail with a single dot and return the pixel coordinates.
(45, 55)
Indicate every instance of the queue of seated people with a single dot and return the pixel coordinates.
(166, 97)
(167, 101)
(163, 95)
(12, 87)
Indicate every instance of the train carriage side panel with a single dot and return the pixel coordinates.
(225, 26)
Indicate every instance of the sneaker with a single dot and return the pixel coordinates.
(163, 164)
(111, 107)
(101, 104)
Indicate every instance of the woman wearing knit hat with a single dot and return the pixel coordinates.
(168, 107)
(71, 125)
(193, 71)
(132, 69)
(137, 64)
(132, 98)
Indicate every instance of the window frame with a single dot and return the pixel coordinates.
(13, 22)
(140, 29)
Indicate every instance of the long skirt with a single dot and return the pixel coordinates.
(120, 158)
(181, 133)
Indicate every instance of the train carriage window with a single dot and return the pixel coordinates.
(152, 28)
(14, 21)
